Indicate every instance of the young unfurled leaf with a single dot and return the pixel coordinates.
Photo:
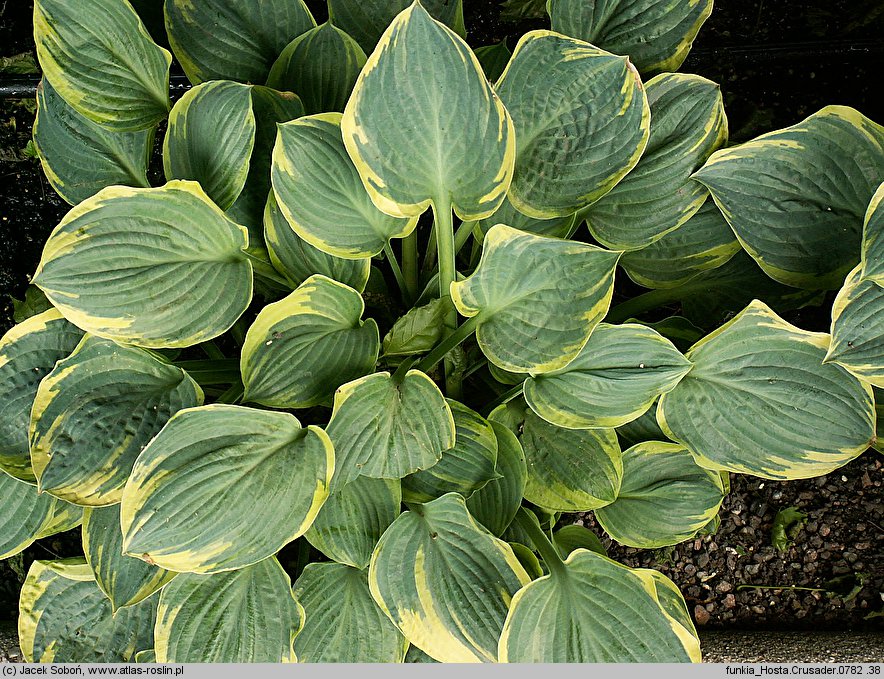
(99, 58)
(494, 59)
(522, 283)
(243, 616)
(665, 497)
(65, 618)
(569, 538)
(451, 144)
(417, 331)
(343, 623)
(205, 469)
(858, 328)
(687, 124)
(656, 34)
(616, 377)
(786, 524)
(81, 157)
(151, 267)
(233, 39)
(445, 581)
(95, 412)
(319, 191)
(873, 239)
(28, 352)
(759, 400)
(796, 198)
(577, 109)
(321, 65)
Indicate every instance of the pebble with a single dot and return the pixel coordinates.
(701, 615)
(724, 587)
(730, 601)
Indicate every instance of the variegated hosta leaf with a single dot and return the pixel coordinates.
(873, 239)
(645, 428)
(353, 519)
(656, 34)
(64, 618)
(28, 352)
(321, 65)
(465, 468)
(703, 242)
(210, 139)
(569, 470)
(384, 429)
(569, 538)
(415, 655)
(148, 656)
(99, 58)
(95, 412)
(495, 504)
(450, 144)
(81, 157)
(687, 124)
(445, 581)
(233, 39)
(366, 20)
(614, 379)
(343, 623)
(319, 191)
(222, 487)
(669, 597)
(125, 581)
(537, 299)
(760, 401)
(588, 596)
(557, 227)
(581, 119)
(297, 260)
(677, 329)
(65, 517)
(665, 497)
(243, 616)
(151, 267)
(23, 513)
(796, 197)
(858, 328)
(494, 59)
(417, 332)
(300, 349)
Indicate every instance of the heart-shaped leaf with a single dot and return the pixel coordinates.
(858, 328)
(495, 504)
(445, 581)
(95, 412)
(760, 401)
(577, 109)
(536, 299)
(190, 502)
(873, 239)
(615, 378)
(820, 174)
(23, 513)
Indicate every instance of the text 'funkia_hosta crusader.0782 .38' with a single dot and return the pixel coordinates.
(274, 348)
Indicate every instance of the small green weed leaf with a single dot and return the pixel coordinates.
(858, 328)
(286, 355)
(494, 59)
(321, 195)
(343, 623)
(65, 618)
(233, 39)
(366, 20)
(569, 538)
(445, 581)
(383, 429)
(23, 513)
(557, 227)
(125, 581)
(243, 616)
(99, 58)
(616, 377)
(786, 525)
(95, 412)
(665, 497)
(321, 65)
(873, 239)
(577, 109)
(81, 157)
(703, 242)
(353, 519)
(417, 331)
(656, 34)
(464, 468)
(151, 267)
(588, 597)
(759, 400)
(522, 283)
(451, 144)
(28, 352)
(687, 124)
(796, 198)
(205, 469)
(210, 138)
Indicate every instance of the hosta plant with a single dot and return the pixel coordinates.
(351, 365)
